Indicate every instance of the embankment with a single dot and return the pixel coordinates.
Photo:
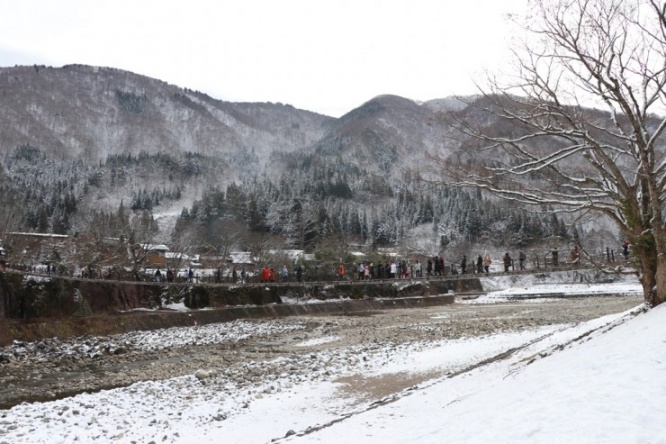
(34, 307)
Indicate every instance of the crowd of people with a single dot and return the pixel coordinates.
(269, 274)
(174, 276)
(435, 266)
(393, 269)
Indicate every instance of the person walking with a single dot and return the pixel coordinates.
(521, 260)
(341, 271)
(479, 264)
(507, 262)
(486, 262)
(575, 256)
(266, 274)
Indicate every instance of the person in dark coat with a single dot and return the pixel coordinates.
(479, 264)
(507, 262)
(521, 259)
(575, 256)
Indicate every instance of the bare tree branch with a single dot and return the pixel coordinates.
(582, 127)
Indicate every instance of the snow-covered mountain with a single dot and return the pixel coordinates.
(80, 139)
(91, 113)
(88, 112)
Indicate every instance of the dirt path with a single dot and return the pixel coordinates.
(247, 350)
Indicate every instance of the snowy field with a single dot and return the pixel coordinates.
(598, 381)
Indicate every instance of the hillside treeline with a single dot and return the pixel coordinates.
(314, 204)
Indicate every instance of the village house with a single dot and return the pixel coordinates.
(38, 248)
(181, 260)
(154, 255)
(240, 258)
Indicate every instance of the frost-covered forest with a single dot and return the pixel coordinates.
(315, 204)
(103, 153)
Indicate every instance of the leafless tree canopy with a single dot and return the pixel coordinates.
(580, 126)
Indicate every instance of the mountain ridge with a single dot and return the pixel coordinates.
(112, 153)
(93, 112)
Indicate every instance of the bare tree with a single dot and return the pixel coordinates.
(581, 128)
(12, 217)
(227, 237)
(137, 238)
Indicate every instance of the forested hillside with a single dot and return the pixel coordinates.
(107, 153)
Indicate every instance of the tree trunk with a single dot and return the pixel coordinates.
(653, 272)
(657, 293)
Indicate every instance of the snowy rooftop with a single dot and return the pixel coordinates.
(241, 257)
(181, 256)
(154, 247)
(291, 254)
(45, 235)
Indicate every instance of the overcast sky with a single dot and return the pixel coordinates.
(328, 56)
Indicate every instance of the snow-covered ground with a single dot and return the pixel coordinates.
(503, 287)
(599, 381)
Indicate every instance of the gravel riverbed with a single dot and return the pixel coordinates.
(242, 355)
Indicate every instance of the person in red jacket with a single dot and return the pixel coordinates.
(266, 274)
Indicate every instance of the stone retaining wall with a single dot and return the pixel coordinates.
(35, 297)
(102, 325)
(39, 307)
